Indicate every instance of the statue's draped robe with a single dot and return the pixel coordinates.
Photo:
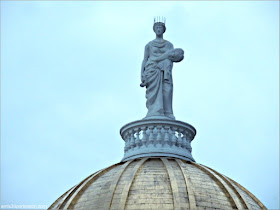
(159, 81)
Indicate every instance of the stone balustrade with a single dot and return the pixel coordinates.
(153, 137)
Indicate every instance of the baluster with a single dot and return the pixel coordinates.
(158, 131)
(137, 140)
(184, 144)
(166, 136)
(174, 138)
(132, 141)
(189, 143)
(188, 147)
(144, 137)
(126, 142)
(180, 141)
(151, 137)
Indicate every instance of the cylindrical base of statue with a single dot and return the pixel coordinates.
(158, 138)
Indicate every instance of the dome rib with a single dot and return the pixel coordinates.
(235, 204)
(127, 186)
(173, 183)
(81, 186)
(61, 199)
(232, 187)
(250, 194)
(113, 186)
(189, 186)
(71, 191)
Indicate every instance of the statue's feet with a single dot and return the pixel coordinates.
(171, 116)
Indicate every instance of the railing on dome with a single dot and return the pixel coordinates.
(153, 137)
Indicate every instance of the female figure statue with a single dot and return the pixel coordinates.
(156, 74)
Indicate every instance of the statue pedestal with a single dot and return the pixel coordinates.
(158, 138)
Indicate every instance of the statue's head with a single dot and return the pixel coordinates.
(159, 25)
(159, 28)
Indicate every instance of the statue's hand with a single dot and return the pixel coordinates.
(144, 81)
(143, 84)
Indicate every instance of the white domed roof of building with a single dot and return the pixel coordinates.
(157, 183)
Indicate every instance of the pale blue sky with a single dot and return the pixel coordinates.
(70, 75)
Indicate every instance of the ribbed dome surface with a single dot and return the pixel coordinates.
(157, 183)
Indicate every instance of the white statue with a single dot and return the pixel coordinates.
(156, 74)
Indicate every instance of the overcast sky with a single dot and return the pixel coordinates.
(70, 75)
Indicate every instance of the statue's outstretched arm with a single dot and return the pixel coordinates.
(146, 56)
(162, 57)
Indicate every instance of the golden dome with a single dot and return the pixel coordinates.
(157, 183)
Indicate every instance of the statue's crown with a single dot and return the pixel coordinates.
(159, 19)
